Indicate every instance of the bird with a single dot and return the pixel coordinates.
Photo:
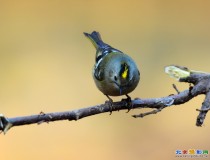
(114, 73)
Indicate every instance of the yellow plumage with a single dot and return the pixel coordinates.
(125, 73)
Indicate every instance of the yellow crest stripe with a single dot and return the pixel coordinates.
(125, 72)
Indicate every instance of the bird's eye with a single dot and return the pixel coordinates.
(115, 78)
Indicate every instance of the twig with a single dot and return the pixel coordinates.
(202, 110)
(174, 86)
(141, 115)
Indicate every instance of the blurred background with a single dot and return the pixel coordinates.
(46, 65)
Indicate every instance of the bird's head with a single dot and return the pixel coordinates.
(121, 76)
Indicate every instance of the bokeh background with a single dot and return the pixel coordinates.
(46, 63)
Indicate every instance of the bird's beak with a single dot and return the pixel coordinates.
(120, 87)
(120, 90)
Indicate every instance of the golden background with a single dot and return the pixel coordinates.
(46, 63)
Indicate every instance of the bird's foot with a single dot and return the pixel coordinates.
(110, 104)
(128, 103)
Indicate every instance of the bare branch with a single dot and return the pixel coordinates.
(204, 110)
(201, 85)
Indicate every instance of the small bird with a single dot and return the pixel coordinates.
(114, 72)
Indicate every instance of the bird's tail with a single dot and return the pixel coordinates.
(96, 40)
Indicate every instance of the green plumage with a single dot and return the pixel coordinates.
(114, 73)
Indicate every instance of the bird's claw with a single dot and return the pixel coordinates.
(128, 103)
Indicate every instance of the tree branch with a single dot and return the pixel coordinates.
(201, 85)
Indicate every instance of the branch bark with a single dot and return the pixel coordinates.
(199, 80)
